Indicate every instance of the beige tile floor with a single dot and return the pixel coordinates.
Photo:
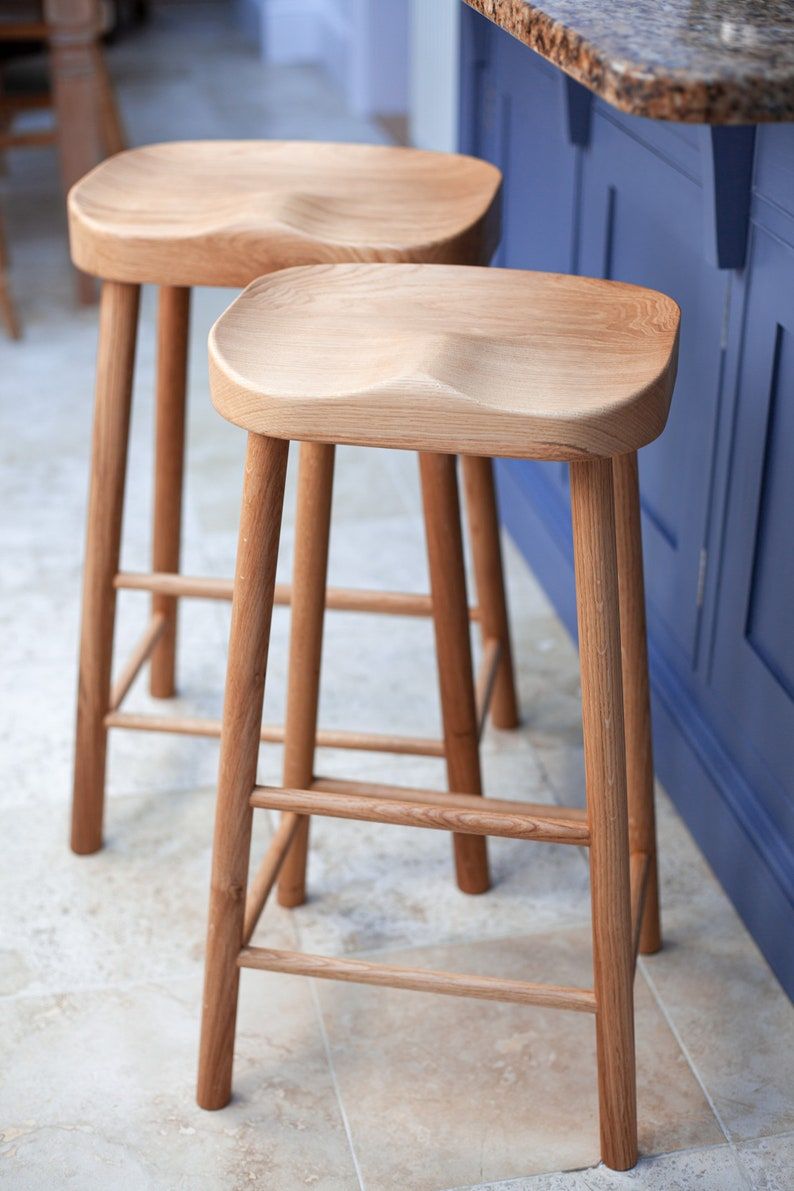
(100, 958)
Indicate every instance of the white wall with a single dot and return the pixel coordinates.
(362, 43)
(433, 110)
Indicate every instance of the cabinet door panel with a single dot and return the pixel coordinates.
(523, 119)
(753, 667)
(642, 222)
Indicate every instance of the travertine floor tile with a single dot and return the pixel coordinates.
(713, 1169)
(134, 911)
(446, 1092)
(103, 1093)
(733, 1018)
(769, 1162)
(101, 957)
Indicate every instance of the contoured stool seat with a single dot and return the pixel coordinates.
(220, 213)
(448, 361)
(472, 361)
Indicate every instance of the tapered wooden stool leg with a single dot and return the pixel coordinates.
(115, 362)
(172, 348)
(453, 653)
(592, 506)
(636, 694)
(252, 608)
(310, 567)
(483, 521)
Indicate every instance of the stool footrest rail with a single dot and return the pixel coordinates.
(338, 599)
(455, 984)
(468, 814)
(368, 742)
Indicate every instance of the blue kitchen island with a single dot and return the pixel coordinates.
(651, 143)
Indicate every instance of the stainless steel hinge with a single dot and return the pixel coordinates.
(703, 562)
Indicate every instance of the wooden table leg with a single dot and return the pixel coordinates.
(118, 317)
(453, 653)
(7, 309)
(73, 30)
(310, 568)
(252, 609)
(114, 138)
(595, 557)
(636, 692)
(172, 352)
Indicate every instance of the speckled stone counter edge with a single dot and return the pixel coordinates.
(644, 90)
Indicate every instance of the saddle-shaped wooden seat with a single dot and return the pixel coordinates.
(464, 360)
(219, 213)
(446, 361)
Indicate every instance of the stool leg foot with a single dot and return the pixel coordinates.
(172, 349)
(115, 362)
(310, 569)
(595, 556)
(636, 694)
(252, 608)
(453, 652)
(483, 521)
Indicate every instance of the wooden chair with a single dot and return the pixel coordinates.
(449, 361)
(221, 213)
(87, 125)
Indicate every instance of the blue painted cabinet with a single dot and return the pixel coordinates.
(634, 200)
(642, 222)
(752, 655)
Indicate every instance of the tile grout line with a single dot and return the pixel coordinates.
(643, 966)
(520, 1181)
(335, 1082)
(331, 1069)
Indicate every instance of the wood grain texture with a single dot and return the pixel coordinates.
(252, 608)
(329, 738)
(118, 318)
(267, 874)
(482, 518)
(451, 359)
(453, 984)
(337, 599)
(173, 321)
(487, 674)
(139, 656)
(225, 212)
(543, 810)
(636, 691)
(639, 871)
(595, 559)
(453, 653)
(503, 819)
(309, 575)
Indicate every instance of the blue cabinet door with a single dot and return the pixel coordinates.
(515, 118)
(642, 221)
(753, 659)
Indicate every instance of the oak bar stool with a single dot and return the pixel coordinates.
(451, 361)
(220, 214)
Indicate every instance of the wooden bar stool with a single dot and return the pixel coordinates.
(221, 213)
(450, 361)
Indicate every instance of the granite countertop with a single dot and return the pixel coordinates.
(698, 61)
